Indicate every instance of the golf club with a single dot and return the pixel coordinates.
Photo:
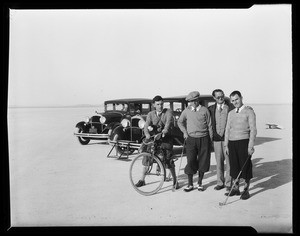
(224, 203)
(173, 189)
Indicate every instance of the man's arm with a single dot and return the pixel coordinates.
(209, 123)
(169, 121)
(182, 124)
(227, 130)
(147, 124)
(253, 131)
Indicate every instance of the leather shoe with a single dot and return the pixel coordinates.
(200, 188)
(176, 186)
(140, 183)
(188, 188)
(245, 195)
(219, 187)
(233, 192)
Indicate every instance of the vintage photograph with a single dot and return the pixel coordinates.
(151, 117)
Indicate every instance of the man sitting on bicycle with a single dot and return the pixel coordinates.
(162, 121)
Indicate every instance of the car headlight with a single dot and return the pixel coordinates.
(87, 119)
(125, 123)
(102, 119)
(141, 124)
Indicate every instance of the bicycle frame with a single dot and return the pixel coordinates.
(143, 164)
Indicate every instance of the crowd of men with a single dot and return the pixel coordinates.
(229, 128)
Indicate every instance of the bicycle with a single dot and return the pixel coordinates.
(151, 165)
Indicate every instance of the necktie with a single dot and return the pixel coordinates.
(237, 110)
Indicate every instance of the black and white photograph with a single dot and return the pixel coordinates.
(151, 117)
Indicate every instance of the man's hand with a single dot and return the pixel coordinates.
(250, 150)
(185, 135)
(164, 132)
(226, 150)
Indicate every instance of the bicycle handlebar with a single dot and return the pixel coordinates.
(153, 138)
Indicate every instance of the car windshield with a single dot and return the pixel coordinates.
(116, 107)
(139, 108)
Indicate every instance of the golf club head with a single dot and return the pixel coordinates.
(222, 204)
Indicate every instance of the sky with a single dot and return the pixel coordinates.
(72, 57)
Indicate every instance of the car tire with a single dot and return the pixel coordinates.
(83, 141)
(120, 150)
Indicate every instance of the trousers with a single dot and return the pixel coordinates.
(198, 155)
(223, 171)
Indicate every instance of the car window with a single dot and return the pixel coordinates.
(167, 105)
(125, 107)
(145, 108)
(210, 103)
(121, 107)
(109, 107)
(177, 106)
(138, 107)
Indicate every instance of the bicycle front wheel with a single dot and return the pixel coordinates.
(149, 168)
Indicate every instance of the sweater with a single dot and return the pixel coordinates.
(241, 125)
(213, 111)
(196, 124)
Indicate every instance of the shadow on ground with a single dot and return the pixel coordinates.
(261, 140)
(270, 175)
(266, 175)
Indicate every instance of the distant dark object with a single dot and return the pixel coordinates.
(273, 126)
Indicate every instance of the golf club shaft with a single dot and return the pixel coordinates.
(179, 166)
(237, 178)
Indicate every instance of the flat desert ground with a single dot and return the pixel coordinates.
(55, 181)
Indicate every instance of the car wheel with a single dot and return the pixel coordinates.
(83, 141)
(121, 150)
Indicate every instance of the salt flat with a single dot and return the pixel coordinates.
(55, 181)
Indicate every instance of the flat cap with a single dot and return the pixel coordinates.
(192, 96)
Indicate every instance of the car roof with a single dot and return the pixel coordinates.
(182, 97)
(129, 100)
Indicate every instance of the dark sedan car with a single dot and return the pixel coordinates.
(101, 125)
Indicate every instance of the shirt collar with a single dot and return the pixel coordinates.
(220, 105)
(197, 108)
(241, 108)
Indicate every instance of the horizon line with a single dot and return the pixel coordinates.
(93, 105)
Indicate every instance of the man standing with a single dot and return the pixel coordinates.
(195, 123)
(240, 135)
(161, 120)
(219, 112)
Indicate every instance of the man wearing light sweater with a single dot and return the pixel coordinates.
(240, 135)
(195, 124)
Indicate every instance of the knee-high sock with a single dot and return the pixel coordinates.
(200, 177)
(190, 179)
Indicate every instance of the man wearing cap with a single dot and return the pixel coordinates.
(195, 124)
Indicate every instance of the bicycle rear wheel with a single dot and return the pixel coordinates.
(153, 169)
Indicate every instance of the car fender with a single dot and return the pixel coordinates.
(113, 125)
(83, 125)
(117, 130)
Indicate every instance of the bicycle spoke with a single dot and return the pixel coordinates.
(145, 166)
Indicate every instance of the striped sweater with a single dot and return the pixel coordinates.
(241, 125)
